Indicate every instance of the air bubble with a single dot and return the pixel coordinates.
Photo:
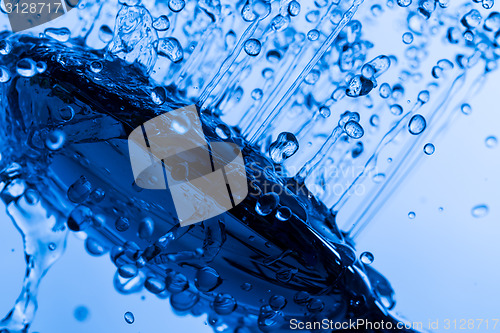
(5, 47)
(313, 35)
(466, 109)
(404, 3)
(293, 8)
(96, 66)
(385, 90)
(159, 95)
(411, 215)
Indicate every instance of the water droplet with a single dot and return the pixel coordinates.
(26, 67)
(257, 94)
(66, 113)
(385, 90)
(293, 8)
(81, 313)
(122, 224)
(277, 302)
(171, 48)
(280, 22)
(59, 34)
(466, 109)
(378, 178)
(472, 19)
(96, 66)
(176, 283)
(252, 47)
(488, 4)
(4, 75)
(480, 211)
(55, 140)
(5, 47)
(176, 5)
(429, 149)
(491, 142)
(417, 124)
(93, 247)
(129, 317)
(41, 67)
(224, 304)
(316, 305)
(283, 213)
(154, 285)
(80, 218)
(207, 279)
(411, 215)
(366, 258)
(267, 203)
(162, 23)
(128, 271)
(302, 298)
(359, 86)
(324, 111)
(407, 38)
(354, 129)
(105, 33)
(80, 190)
(313, 35)
(404, 3)
(283, 148)
(146, 228)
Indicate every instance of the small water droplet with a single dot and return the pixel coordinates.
(491, 142)
(466, 109)
(80, 190)
(96, 66)
(224, 304)
(429, 149)
(176, 5)
(407, 38)
(284, 147)
(129, 317)
(52, 246)
(81, 313)
(122, 224)
(277, 302)
(480, 211)
(366, 258)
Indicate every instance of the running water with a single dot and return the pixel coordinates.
(304, 88)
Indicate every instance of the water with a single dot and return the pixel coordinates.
(303, 88)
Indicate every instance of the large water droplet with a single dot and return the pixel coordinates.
(283, 148)
(80, 190)
(417, 124)
(59, 34)
(162, 23)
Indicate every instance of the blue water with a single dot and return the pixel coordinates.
(329, 116)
